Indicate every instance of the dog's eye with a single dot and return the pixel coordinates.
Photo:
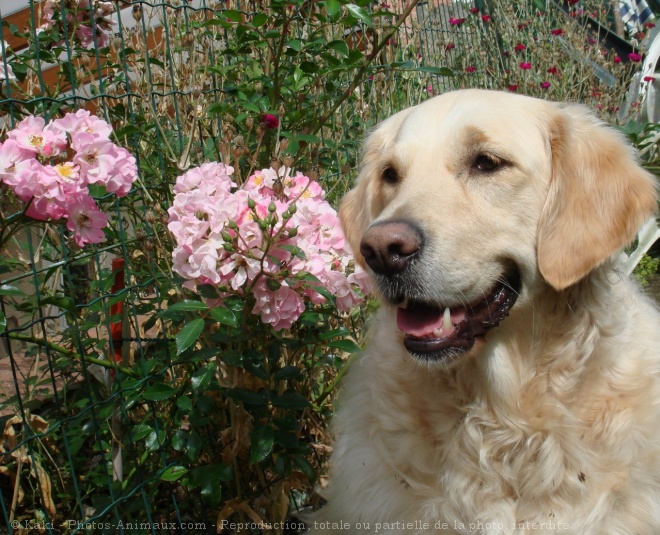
(486, 163)
(390, 176)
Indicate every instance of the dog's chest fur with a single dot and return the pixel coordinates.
(566, 435)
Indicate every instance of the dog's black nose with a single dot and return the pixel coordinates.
(387, 247)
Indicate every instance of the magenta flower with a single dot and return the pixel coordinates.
(485, 18)
(269, 121)
(634, 57)
(649, 79)
(513, 87)
(649, 25)
(519, 47)
(470, 69)
(552, 70)
(545, 85)
(474, 10)
(525, 65)
(616, 59)
(450, 46)
(557, 31)
(456, 22)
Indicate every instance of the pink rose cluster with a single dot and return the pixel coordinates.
(265, 238)
(50, 166)
(87, 19)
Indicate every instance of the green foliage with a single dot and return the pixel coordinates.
(647, 268)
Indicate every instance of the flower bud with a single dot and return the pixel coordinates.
(286, 215)
(228, 247)
(232, 225)
(293, 232)
(293, 208)
(249, 122)
(150, 217)
(280, 110)
(263, 225)
(271, 207)
(226, 236)
(288, 160)
(284, 144)
(251, 203)
(137, 12)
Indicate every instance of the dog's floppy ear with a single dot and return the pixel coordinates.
(597, 200)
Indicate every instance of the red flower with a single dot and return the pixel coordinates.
(649, 79)
(523, 25)
(634, 57)
(474, 10)
(450, 46)
(557, 31)
(456, 22)
(640, 36)
(519, 47)
(552, 70)
(545, 85)
(513, 87)
(470, 69)
(591, 40)
(485, 18)
(617, 59)
(525, 65)
(573, 2)
(269, 121)
(649, 25)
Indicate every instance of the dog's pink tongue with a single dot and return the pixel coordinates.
(419, 321)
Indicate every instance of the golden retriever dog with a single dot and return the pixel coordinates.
(511, 381)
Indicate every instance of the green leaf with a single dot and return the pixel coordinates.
(262, 439)
(158, 392)
(233, 15)
(155, 440)
(225, 316)
(184, 403)
(291, 400)
(439, 71)
(339, 46)
(345, 345)
(61, 302)
(208, 478)
(360, 13)
(259, 20)
(173, 473)
(202, 378)
(189, 335)
(3, 321)
(189, 305)
(288, 372)
(333, 9)
(246, 396)
(139, 431)
(11, 291)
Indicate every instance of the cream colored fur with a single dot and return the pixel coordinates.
(554, 417)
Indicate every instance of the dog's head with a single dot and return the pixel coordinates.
(471, 197)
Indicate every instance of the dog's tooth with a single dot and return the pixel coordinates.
(438, 333)
(446, 320)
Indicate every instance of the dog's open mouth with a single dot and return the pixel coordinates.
(443, 333)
